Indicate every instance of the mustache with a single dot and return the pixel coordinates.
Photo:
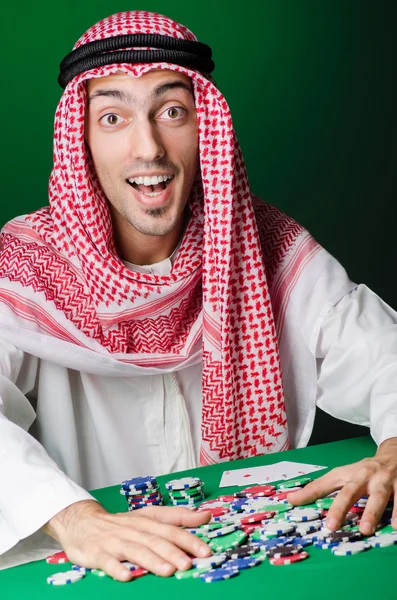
(151, 166)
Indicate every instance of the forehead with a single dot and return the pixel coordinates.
(138, 85)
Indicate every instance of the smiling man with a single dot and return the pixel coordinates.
(142, 134)
(157, 316)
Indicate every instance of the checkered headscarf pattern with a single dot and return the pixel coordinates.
(217, 289)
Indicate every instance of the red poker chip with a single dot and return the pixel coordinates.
(289, 560)
(229, 498)
(280, 496)
(138, 573)
(250, 528)
(57, 558)
(219, 511)
(258, 517)
(259, 490)
(356, 509)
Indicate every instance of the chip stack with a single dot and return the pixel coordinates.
(141, 492)
(187, 491)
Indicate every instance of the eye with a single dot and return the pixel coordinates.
(174, 113)
(110, 120)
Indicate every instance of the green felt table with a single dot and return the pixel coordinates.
(323, 576)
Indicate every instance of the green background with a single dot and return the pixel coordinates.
(312, 89)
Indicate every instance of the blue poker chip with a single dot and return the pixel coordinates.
(220, 574)
(138, 483)
(302, 541)
(242, 563)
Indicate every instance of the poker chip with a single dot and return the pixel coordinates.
(278, 528)
(383, 541)
(241, 551)
(218, 575)
(227, 541)
(65, 577)
(209, 562)
(256, 491)
(273, 542)
(130, 566)
(304, 514)
(343, 536)
(139, 483)
(183, 483)
(140, 492)
(286, 550)
(191, 573)
(259, 516)
(140, 572)
(242, 563)
(325, 545)
(57, 558)
(186, 491)
(222, 530)
(289, 560)
(98, 573)
(287, 485)
(349, 548)
(325, 503)
(82, 569)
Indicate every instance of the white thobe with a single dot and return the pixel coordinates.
(102, 429)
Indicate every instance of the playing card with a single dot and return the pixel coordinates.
(265, 474)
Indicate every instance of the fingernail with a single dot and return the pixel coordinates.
(367, 527)
(125, 575)
(184, 563)
(167, 568)
(203, 551)
(332, 523)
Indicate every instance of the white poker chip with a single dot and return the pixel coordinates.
(349, 548)
(65, 577)
(223, 530)
(130, 566)
(279, 527)
(383, 541)
(309, 526)
(304, 514)
(82, 569)
(210, 561)
(184, 483)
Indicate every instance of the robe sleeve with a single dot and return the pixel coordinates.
(357, 363)
(32, 487)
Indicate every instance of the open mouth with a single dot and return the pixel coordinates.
(151, 190)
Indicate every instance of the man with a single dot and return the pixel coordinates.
(147, 314)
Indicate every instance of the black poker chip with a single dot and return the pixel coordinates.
(343, 536)
(241, 551)
(285, 550)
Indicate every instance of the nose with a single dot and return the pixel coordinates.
(146, 144)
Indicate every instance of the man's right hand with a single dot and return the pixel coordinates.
(152, 537)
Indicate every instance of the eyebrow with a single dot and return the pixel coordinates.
(128, 98)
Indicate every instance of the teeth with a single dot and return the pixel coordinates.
(154, 180)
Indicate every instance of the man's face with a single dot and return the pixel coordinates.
(143, 137)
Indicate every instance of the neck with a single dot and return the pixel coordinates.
(140, 249)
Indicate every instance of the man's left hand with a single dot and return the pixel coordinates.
(374, 477)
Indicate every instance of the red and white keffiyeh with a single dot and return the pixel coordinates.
(229, 285)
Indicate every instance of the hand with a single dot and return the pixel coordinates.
(151, 537)
(375, 477)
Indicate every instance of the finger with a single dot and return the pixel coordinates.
(176, 535)
(394, 514)
(379, 491)
(178, 516)
(317, 489)
(347, 496)
(109, 563)
(140, 552)
(164, 549)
